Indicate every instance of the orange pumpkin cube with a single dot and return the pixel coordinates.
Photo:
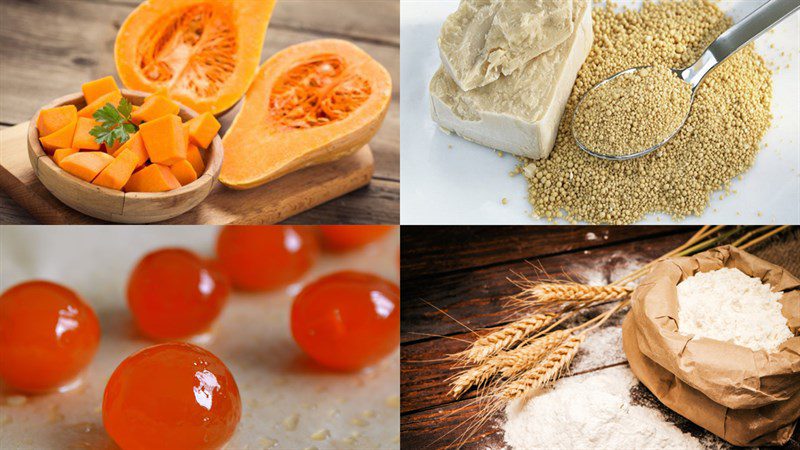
(152, 178)
(98, 88)
(82, 139)
(153, 107)
(53, 119)
(86, 165)
(117, 174)
(164, 139)
(62, 153)
(59, 139)
(196, 159)
(202, 129)
(89, 110)
(136, 145)
(185, 135)
(184, 172)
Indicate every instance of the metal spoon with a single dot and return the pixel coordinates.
(754, 25)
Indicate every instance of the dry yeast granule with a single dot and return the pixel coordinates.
(632, 112)
(730, 115)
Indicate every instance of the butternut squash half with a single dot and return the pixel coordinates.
(204, 53)
(309, 104)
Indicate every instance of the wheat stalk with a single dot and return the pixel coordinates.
(475, 376)
(507, 363)
(554, 293)
(522, 358)
(546, 371)
(504, 338)
(548, 292)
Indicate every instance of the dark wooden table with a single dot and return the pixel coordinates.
(49, 47)
(463, 271)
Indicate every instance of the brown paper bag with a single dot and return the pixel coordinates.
(746, 397)
(769, 425)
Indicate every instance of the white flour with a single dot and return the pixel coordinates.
(591, 411)
(601, 348)
(605, 268)
(728, 305)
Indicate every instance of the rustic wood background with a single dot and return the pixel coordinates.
(49, 47)
(463, 271)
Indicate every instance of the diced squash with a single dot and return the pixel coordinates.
(86, 165)
(155, 106)
(63, 153)
(59, 139)
(140, 168)
(136, 145)
(135, 108)
(53, 119)
(185, 132)
(196, 159)
(117, 174)
(98, 88)
(184, 172)
(89, 110)
(82, 139)
(202, 129)
(164, 139)
(152, 178)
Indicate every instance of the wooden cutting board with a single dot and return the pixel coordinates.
(270, 203)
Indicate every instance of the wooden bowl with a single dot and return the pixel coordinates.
(117, 206)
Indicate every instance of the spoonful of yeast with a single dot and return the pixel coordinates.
(637, 110)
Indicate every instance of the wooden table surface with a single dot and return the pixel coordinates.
(463, 271)
(49, 47)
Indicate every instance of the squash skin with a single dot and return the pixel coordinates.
(254, 132)
(251, 19)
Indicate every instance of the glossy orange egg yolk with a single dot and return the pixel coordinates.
(260, 258)
(347, 320)
(171, 396)
(344, 238)
(48, 335)
(174, 294)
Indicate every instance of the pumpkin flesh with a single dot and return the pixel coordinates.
(203, 53)
(309, 104)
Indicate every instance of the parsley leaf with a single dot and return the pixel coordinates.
(125, 108)
(115, 124)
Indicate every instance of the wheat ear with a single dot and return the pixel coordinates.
(507, 363)
(476, 376)
(504, 338)
(547, 371)
(543, 293)
(522, 358)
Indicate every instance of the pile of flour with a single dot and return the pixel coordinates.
(728, 305)
(591, 411)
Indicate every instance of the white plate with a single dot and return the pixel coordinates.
(447, 180)
(276, 381)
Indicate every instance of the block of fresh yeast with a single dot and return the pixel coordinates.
(518, 113)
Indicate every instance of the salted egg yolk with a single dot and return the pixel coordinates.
(347, 320)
